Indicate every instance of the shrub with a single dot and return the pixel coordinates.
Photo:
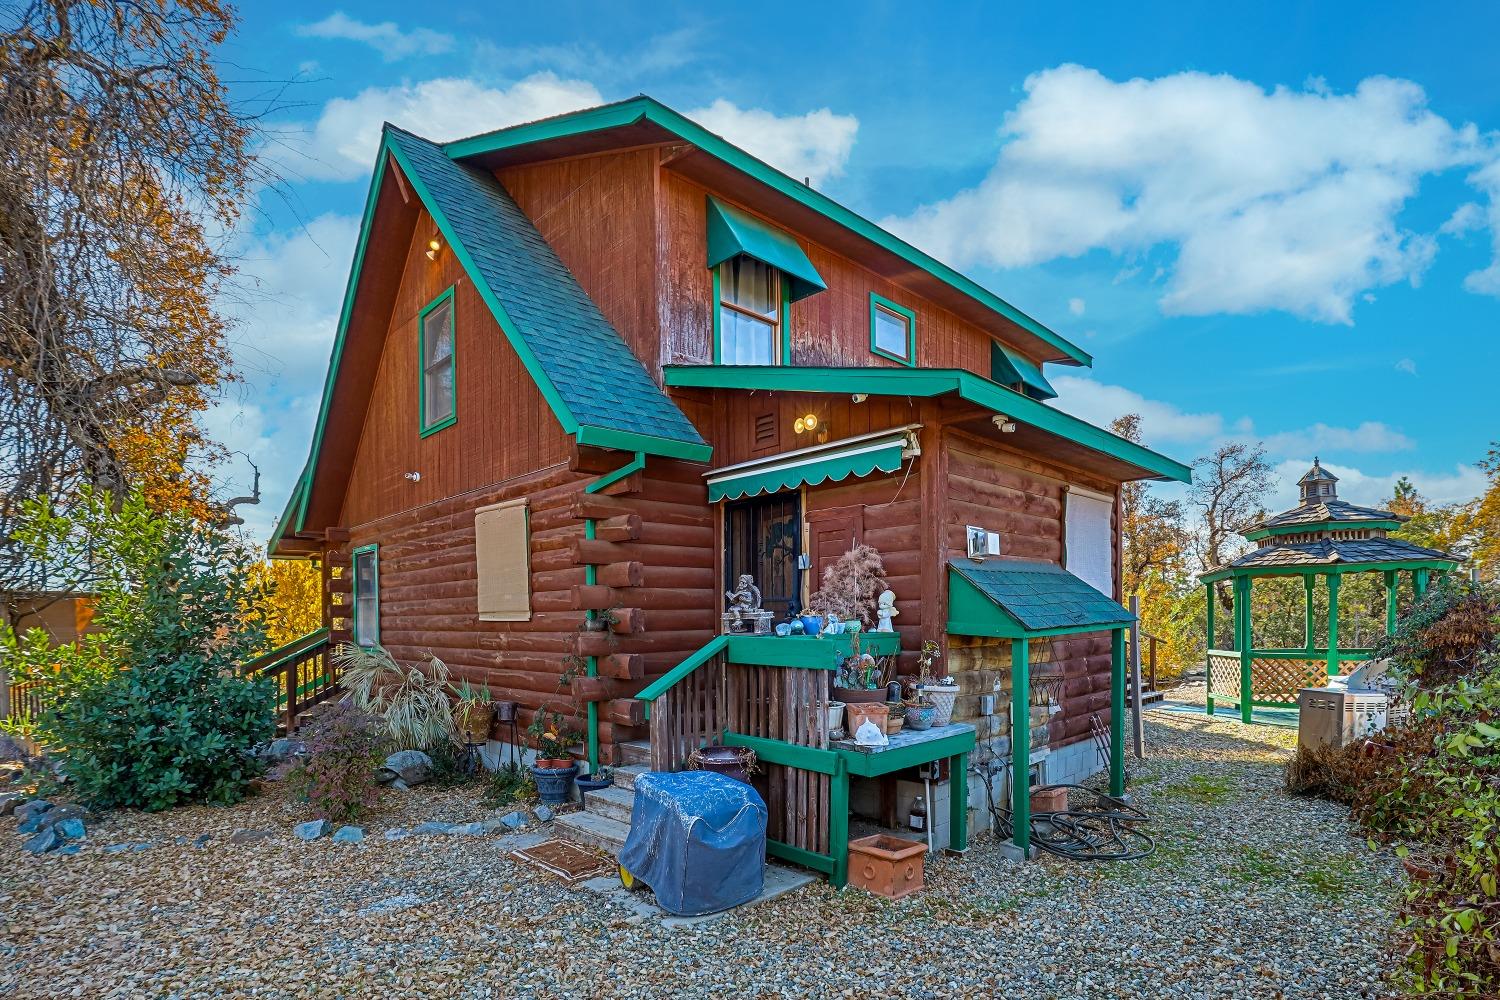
(338, 774)
(851, 586)
(410, 702)
(510, 782)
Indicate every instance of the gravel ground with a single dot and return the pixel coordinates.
(1251, 895)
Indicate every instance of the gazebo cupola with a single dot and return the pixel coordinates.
(1324, 538)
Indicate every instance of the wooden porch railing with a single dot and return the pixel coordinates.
(22, 701)
(685, 706)
(305, 675)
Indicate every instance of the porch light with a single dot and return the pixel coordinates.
(433, 246)
(806, 423)
(1006, 425)
(860, 397)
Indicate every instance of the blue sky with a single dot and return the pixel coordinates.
(1278, 224)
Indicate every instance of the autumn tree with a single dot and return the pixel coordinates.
(122, 167)
(1228, 488)
(293, 602)
(1476, 524)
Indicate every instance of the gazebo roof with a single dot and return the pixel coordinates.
(1327, 512)
(1370, 553)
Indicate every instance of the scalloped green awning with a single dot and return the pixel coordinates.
(857, 457)
(732, 232)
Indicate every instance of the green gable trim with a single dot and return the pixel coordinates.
(293, 503)
(925, 382)
(1013, 599)
(1298, 529)
(640, 109)
(607, 437)
(452, 418)
(881, 302)
(1010, 368)
(820, 465)
(732, 232)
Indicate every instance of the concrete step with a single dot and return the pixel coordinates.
(593, 830)
(625, 776)
(634, 752)
(612, 802)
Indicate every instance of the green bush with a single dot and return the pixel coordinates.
(150, 711)
(338, 775)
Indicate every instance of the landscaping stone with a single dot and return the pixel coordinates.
(42, 842)
(397, 784)
(282, 749)
(68, 849)
(397, 833)
(514, 820)
(69, 810)
(543, 814)
(202, 839)
(71, 828)
(411, 766)
(248, 836)
(465, 829)
(432, 826)
(311, 830)
(9, 801)
(349, 835)
(27, 810)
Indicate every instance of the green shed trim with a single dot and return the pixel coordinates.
(926, 382)
(834, 462)
(1009, 368)
(638, 109)
(732, 232)
(1018, 599)
(878, 302)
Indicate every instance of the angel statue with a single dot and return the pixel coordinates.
(885, 610)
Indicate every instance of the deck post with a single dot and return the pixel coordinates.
(1390, 601)
(1020, 745)
(1244, 637)
(1333, 624)
(958, 803)
(1208, 669)
(1419, 578)
(1117, 712)
(838, 824)
(1309, 584)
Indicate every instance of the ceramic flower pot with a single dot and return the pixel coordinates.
(811, 624)
(554, 785)
(942, 697)
(835, 715)
(858, 712)
(919, 717)
(858, 696)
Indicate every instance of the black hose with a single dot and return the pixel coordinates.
(1107, 829)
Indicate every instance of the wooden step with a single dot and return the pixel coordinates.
(625, 776)
(592, 830)
(634, 752)
(612, 803)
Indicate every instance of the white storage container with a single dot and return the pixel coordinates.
(1336, 716)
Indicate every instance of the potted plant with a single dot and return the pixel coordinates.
(602, 778)
(472, 711)
(942, 693)
(861, 679)
(851, 587)
(554, 768)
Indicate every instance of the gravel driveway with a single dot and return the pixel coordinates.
(1251, 894)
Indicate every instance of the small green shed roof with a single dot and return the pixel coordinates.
(1021, 599)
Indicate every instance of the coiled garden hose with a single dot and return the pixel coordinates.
(1106, 829)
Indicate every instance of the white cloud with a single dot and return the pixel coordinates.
(1370, 436)
(1462, 482)
(815, 145)
(1407, 365)
(1160, 422)
(1465, 219)
(1487, 281)
(392, 41)
(1076, 306)
(1283, 200)
(341, 144)
(659, 54)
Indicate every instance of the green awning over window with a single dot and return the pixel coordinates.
(857, 456)
(1018, 599)
(732, 232)
(1010, 368)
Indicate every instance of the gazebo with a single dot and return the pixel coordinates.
(1322, 537)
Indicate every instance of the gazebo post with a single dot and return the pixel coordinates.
(1020, 745)
(1208, 661)
(1244, 638)
(1390, 601)
(1419, 578)
(1309, 584)
(1117, 712)
(1333, 624)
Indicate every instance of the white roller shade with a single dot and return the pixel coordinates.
(1090, 540)
(502, 551)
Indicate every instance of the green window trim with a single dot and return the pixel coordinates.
(783, 333)
(879, 302)
(372, 550)
(446, 296)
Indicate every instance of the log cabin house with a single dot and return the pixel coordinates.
(601, 364)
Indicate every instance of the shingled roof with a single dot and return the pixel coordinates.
(1328, 511)
(1039, 596)
(581, 364)
(1337, 552)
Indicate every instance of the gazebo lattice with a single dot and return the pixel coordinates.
(1321, 538)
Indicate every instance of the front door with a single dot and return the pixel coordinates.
(763, 537)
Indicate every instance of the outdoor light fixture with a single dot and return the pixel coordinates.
(433, 246)
(415, 477)
(1006, 425)
(807, 423)
(860, 397)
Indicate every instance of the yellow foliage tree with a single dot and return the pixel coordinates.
(293, 606)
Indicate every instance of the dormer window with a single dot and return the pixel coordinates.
(750, 312)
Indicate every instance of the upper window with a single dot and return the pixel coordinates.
(366, 596)
(750, 312)
(435, 333)
(893, 330)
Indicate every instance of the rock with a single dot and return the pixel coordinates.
(27, 810)
(349, 835)
(10, 801)
(466, 829)
(411, 766)
(42, 842)
(69, 849)
(311, 830)
(56, 815)
(513, 820)
(70, 828)
(543, 814)
(433, 827)
(282, 749)
(202, 839)
(397, 833)
(248, 836)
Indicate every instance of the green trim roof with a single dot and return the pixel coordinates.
(899, 381)
(1021, 599)
(1009, 367)
(639, 109)
(835, 462)
(732, 232)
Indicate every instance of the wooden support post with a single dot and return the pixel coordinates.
(1391, 578)
(1117, 713)
(1244, 639)
(1137, 723)
(838, 823)
(958, 803)
(1020, 745)
(1208, 669)
(1333, 623)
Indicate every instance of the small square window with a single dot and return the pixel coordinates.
(893, 330)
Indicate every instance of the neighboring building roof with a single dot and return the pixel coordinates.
(1333, 553)
(1034, 598)
(579, 126)
(928, 382)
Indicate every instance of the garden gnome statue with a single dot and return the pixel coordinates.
(744, 608)
(885, 611)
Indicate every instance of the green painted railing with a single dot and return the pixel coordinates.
(304, 672)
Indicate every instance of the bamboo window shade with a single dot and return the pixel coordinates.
(502, 549)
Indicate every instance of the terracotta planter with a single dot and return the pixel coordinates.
(474, 721)
(856, 714)
(858, 696)
(885, 865)
(895, 718)
(1048, 800)
(553, 763)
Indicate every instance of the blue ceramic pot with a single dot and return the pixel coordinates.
(920, 717)
(811, 624)
(554, 785)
